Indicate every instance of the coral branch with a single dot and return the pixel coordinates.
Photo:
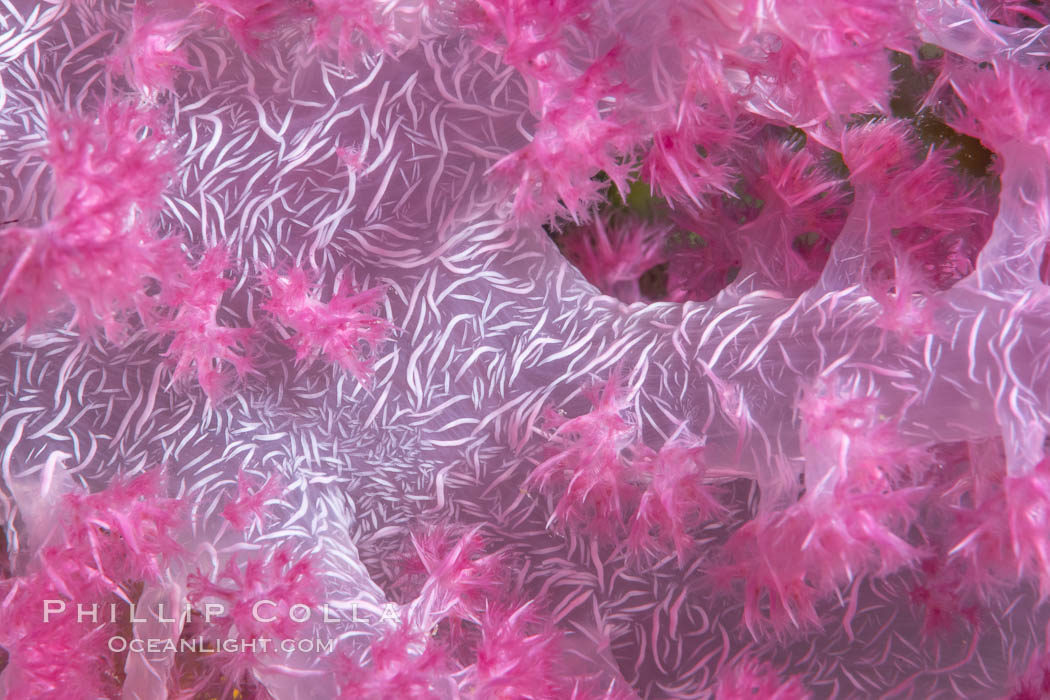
(97, 250)
(198, 341)
(344, 329)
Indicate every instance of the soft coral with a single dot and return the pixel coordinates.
(614, 254)
(675, 500)
(518, 656)
(97, 249)
(258, 599)
(405, 665)
(577, 137)
(589, 460)
(345, 329)
(151, 51)
(102, 547)
(750, 678)
(128, 528)
(249, 506)
(852, 521)
(198, 341)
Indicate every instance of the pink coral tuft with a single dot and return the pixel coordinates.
(611, 484)
(885, 157)
(518, 657)
(282, 580)
(802, 209)
(104, 545)
(344, 329)
(462, 577)
(614, 254)
(528, 34)
(832, 52)
(128, 528)
(198, 341)
(504, 648)
(690, 160)
(1002, 103)
(588, 464)
(97, 249)
(249, 505)
(255, 599)
(789, 561)
(578, 134)
(56, 659)
(405, 664)
(575, 140)
(943, 597)
(151, 52)
(349, 25)
(851, 522)
(750, 678)
(250, 22)
(675, 500)
(1028, 508)
(977, 560)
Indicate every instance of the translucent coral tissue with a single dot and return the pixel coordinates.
(522, 349)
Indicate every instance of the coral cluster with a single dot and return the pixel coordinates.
(723, 320)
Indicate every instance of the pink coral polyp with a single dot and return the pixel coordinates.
(588, 463)
(97, 248)
(345, 329)
(199, 344)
